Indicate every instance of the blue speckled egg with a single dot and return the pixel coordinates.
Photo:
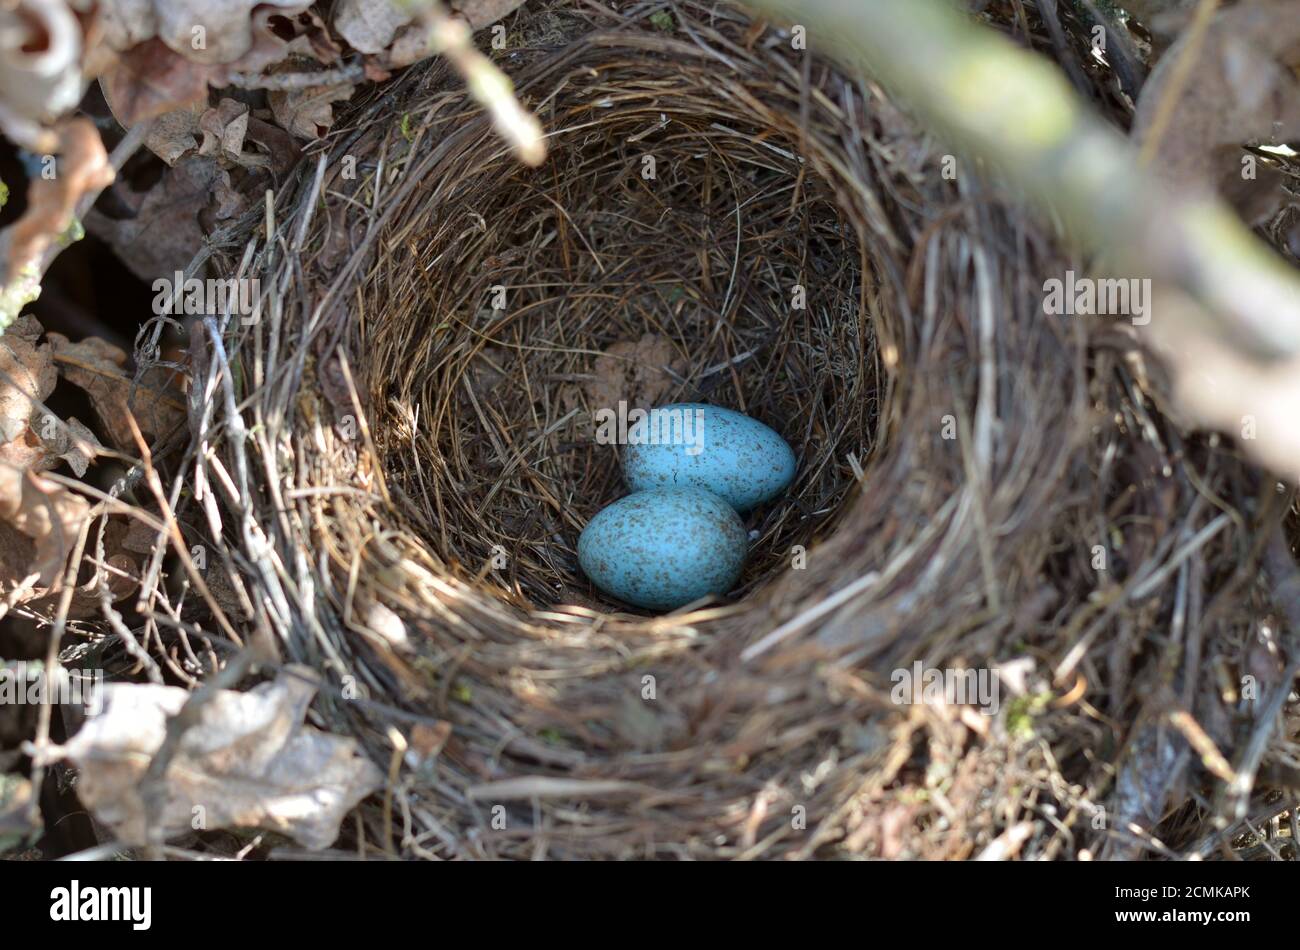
(664, 548)
(695, 445)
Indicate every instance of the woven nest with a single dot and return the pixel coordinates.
(402, 449)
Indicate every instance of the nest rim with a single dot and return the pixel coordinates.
(780, 700)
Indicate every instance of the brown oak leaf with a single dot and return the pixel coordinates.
(96, 367)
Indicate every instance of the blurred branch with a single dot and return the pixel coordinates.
(452, 37)
(1016, 111)
(55, 206)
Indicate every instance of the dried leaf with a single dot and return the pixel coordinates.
(166, 231)
(73, 443)
(372, 26)
(202, 31)
(95, 366)
(52, 516)
(224, 129)
(150, 80)
(249, 761)
(175, 134)
(308, 113)
(278, 35)
(40, 67)
(26, 373)
(39, 519)
(369, 26)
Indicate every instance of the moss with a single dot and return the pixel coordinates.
(18, 294)
(663, 20)
(1022, 711)
(73, 233)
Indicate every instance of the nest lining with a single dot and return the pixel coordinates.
(664, 218)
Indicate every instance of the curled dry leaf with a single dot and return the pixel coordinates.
(224, 129)
(73, 443)
(1242, 89)
(202, 31)
(278, 35)
(166, 230)
(369, 26)
(52, 517)
(96, 367)
(28, 374)
(226, 132)
(220, 132)
(149, 80)
(40, 68)
(247, 762)
(372, 26)
(51, 207)
(308, 113)
(175, 134)
(39, 519)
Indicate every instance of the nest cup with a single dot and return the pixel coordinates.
(673, 248)
(721, 218)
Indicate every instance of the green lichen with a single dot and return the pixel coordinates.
(663, 20)
(73, 233)
(1022, 711)
(17, 294)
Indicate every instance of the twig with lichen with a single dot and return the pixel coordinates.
(55, 209)
(1234, 313)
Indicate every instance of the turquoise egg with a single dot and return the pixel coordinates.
(695, 445)
(664, 548)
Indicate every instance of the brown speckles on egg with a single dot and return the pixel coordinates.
(726, 452)
(664, 548)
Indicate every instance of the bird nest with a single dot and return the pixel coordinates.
(399, 456)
